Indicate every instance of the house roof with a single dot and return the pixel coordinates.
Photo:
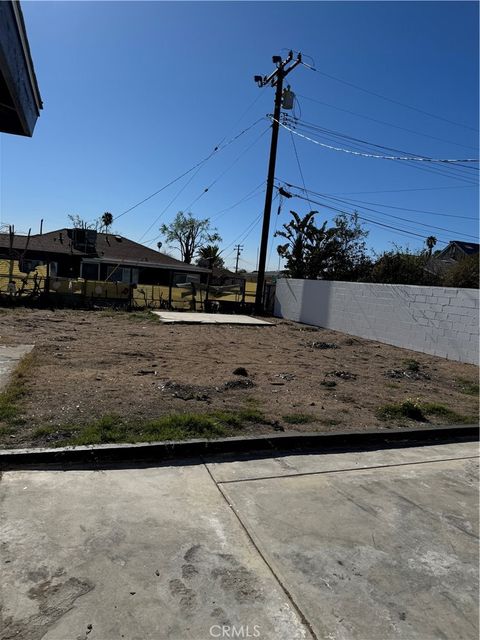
(108, 248)
(441, 262)
(469, 248)
(20, 101)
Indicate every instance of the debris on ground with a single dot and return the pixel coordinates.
(239, 384)
(240, 371)
(398, 374)
(344, 375)
(324, 345)
(286, 376)
(185, 391)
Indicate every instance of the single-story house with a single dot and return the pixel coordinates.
(90, 255)
(455, 251)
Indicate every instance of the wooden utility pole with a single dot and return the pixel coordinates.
(275, 79)
(238, 248)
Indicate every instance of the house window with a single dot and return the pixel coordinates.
(182, 278)
(90, 271)
(118, 274)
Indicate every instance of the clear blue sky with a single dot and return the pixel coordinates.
(136, 93)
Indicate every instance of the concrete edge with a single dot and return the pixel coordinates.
(93, 456)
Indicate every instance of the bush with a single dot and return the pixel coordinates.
(402, 267)
(463, 274)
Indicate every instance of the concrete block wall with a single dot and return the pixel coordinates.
(442, 321)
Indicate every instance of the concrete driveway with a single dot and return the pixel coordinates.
(372, 545)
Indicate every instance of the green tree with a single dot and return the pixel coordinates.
(210, 256)
(189, 234)
(301, 235)
(402, 266)
(464, 273)
(337, 252)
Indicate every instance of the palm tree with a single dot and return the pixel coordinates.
(431, 241)
(210, 254)
(107, 220)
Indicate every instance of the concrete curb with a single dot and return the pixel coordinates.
(95, 456)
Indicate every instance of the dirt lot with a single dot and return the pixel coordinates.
(114, 366)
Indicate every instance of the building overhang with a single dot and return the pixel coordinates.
(148, 265)
(20, 101)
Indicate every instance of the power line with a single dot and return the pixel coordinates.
(257, 139)
(179, 192)
(379, 204)
(295, 122)
(440, 168)
(251, 194)
(452, 170)
(193, 177)
(379, 95)
(244, 235)
(377, 156)
(298, 161)
(388, 124)
(375, 222)
(466, 186)
(195, 166)
(389, 215)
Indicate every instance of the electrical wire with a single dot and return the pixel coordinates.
(452, 171)
(370, 220)
(191, 179)
(244, 235)
(179, 192)
(295, 122)
(298, 161)
(388, 124)
(216, 149)
(404, 190)
(389, 215)
(257, 139)
(439, 168)
(382, 97)
(370, 155)
(386, 206)
(359, 144)
(251, 194)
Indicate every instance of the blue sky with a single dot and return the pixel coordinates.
(135, 93)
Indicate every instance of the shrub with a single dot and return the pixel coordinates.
(463, 274)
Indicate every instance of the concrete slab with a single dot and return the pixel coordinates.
(179, 317)
(140, 554)
(9, 358)
(236, 468)
(377, 553)
(384, 550)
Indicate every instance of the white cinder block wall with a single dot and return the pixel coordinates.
(442, 321)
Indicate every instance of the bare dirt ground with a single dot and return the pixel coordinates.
(90, 364)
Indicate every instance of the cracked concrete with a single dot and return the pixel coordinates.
(377, 545)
